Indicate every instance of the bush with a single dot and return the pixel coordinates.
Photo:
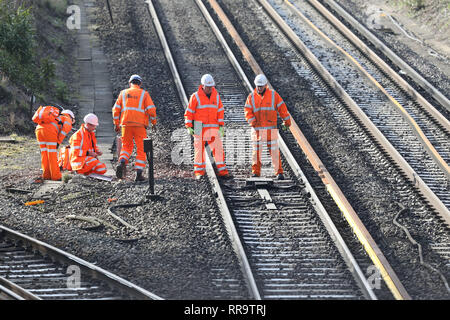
(17, 44)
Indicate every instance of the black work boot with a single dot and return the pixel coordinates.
(121, 170)
(280, 176)
(139, 176)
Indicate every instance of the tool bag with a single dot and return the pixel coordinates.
(46, 114)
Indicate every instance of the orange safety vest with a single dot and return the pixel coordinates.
(134, 107)
(81, 142)
(62, 124)
(208, 111)
(261, 111)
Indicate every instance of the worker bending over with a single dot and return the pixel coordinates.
(204, 120)
(261, 110)
(51, 131)
(84, 151)
(132, 112)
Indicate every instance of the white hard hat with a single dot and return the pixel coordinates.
(260, 80)
(70, 113)
(135, 77)
(91, 118)
(208, 80)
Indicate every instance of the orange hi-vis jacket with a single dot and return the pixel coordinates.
(81, 142)
(134, 107)
(208, 111)
(261, 111)
(62, 125)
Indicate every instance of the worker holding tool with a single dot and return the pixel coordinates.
(84, 151)
(132, 112)
(261, 110)
(53, 127)
(204, 120)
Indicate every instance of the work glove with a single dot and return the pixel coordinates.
(190, 131)
(153, 127)
(221, 131)
(117, 128)
(284, 127)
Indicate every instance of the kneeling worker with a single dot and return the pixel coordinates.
(84, 151)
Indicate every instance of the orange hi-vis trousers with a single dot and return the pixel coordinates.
(92, 165)
(47, 138)
(138, 133)
(211, 136)
(268, 137)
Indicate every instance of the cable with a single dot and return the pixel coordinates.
(414, 242)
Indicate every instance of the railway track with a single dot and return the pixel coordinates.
(408, 121)
(289, 252)
(33, 270)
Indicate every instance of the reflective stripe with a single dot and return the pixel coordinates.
(273, 99)
(278, 105)
(152, 118)
(91, 160)
(116, 117)
(251, 119)
(100, 170)
(76, 147)
(141, 161)
(150, 107)
(123, 99)
(43, 149)
(75, 164)
(52, 150)
(55, 125)
(287, 118)
(116, 106)
(199, 169)
(199, 163)
(123, 151)
(213, 106)
(248, 106)
(134, 109)
(51, 143)
(219, 163)
(253, 101)
(141, 100)
(220, 110)
(188, 121)
(221, 169)
(191, 111)
(264, 109)
(210, 125)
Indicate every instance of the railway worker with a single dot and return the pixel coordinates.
(51, 131)
(84, 151)
(132, 112)
(261, 110)
(204, 120)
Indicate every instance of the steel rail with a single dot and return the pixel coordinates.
(341, 245)
(358, 227)
(435, 93)
(414, 126)
(434, 201)
(16, 292)
(225, 212)
(88, 268)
